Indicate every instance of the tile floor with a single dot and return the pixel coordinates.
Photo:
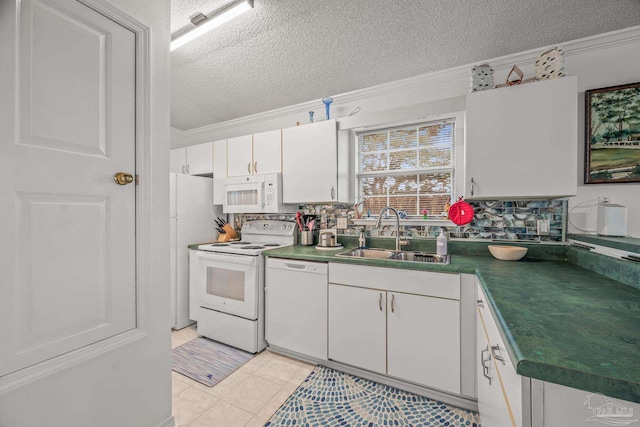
(246, 398)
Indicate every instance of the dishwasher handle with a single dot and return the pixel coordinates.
(297, 266)
(302, 267)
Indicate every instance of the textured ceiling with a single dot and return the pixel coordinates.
(285, 52)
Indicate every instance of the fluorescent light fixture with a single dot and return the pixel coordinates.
(214, 21)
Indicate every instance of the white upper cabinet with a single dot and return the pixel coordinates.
(310, 163)
(254, 154)
(219, 169)
(200, 159)
(178, 160)
(192, 160)
(267, 152)
(240, 156)
(522, 141)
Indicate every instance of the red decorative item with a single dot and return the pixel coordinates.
(461, 212)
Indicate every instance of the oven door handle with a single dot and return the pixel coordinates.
(227, 258)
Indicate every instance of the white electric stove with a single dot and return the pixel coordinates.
(228, 284)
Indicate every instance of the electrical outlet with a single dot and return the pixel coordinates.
(342, 222)
(603, 199)
(543, 227)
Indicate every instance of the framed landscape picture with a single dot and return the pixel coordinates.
(612, 152)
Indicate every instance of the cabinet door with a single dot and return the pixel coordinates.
(200, 159)
(267, 152)
(240, 156)
(178, 160)
(219, 170)
(494, 403)
(296, 311)
(423, 340)
(521, 141)
(310, 163)
(357, 327)
(485, 374)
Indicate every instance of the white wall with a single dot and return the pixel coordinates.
(599, 61)
(128, 384)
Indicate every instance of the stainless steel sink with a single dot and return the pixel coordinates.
(416, 256)
(404, 256)
(368, 253)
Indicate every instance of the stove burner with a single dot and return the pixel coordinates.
(271, 244)
(219, 244)
(239, 243)
(253, 247)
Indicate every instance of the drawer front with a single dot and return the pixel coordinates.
(427, 283)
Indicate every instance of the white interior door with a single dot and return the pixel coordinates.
(68, 230)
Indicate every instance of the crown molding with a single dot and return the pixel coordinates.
(572, 48)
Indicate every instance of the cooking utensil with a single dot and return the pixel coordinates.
(299, 221)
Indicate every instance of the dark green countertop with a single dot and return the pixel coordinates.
(562, 323)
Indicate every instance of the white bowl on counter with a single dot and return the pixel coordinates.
(507, 253)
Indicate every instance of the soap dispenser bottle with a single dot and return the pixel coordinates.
(441, 243)
(362, 240)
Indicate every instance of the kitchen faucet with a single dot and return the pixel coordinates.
(389, 208)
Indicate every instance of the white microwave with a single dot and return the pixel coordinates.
(253, 194)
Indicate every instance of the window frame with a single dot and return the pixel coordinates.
(457, 158)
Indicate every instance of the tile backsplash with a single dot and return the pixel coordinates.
(493, 220)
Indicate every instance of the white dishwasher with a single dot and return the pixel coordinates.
(296, 306)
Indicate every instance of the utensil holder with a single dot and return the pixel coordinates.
(306, 238)
(230, 231)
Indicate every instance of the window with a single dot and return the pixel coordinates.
(409, 168)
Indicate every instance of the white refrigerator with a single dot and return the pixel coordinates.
(192, 221)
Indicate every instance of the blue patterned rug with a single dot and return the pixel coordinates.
(207, 361)
(333, 398)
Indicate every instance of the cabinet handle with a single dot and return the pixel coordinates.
(249, 167)
(472, 185)
(380, 301)
(480, 303)
(333, 193)
(393, 298)
(183, 169)
(188, 169)
(485, 368)
(499, 357)
(255, 167)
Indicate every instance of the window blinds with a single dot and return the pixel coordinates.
(409, 168)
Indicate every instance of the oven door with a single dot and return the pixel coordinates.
(228, 283)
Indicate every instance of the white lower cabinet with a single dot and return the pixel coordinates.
(506, 399)
(401, 323)
(496, 408)
(357, 327)
(423, 340)
(296, 306)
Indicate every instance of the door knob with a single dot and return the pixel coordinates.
(122, 178)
